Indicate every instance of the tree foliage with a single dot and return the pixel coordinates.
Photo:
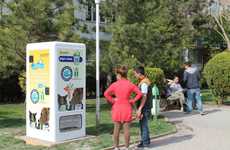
(27, 21)
(153, 33)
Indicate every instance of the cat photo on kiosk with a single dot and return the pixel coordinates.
(55, 98)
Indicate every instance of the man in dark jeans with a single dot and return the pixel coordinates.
(191, 79)
(144, 106)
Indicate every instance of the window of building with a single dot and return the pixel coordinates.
(91, 13)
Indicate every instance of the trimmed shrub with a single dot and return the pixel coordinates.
(217, 75)
(156, 75)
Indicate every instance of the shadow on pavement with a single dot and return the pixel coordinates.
(170, 140)
(212, 111)
(178, 114)
(176, 121)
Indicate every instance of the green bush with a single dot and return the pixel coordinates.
(156, 76)
(217, 75)
(207, 95)
(203, 83)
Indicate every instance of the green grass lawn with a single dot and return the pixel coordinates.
(12, 123)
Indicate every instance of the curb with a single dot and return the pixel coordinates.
(151, 138)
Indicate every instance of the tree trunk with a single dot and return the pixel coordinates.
(221, 101)
(108, 80)
(223, 33)
(228, 46)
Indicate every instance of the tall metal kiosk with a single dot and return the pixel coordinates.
(55, 99)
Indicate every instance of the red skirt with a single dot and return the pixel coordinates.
(122, 112)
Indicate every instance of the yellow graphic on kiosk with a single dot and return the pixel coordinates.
(39, 82)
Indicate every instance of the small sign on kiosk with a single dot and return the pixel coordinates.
(55, 99)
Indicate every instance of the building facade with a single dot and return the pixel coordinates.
(196, 55)
(216, 7)
(85, 13)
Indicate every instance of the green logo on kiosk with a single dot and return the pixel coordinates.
(66, 73)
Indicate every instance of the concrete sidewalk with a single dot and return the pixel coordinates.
(196, 132)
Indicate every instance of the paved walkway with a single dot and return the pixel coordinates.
(196, 132)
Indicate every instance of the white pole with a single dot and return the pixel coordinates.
(97, 2)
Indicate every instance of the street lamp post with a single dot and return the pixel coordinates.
(97, 2)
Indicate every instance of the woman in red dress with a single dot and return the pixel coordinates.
(118, 94)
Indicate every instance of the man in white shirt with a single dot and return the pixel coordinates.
(144, 106)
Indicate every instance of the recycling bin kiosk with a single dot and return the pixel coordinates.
(55, 99)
